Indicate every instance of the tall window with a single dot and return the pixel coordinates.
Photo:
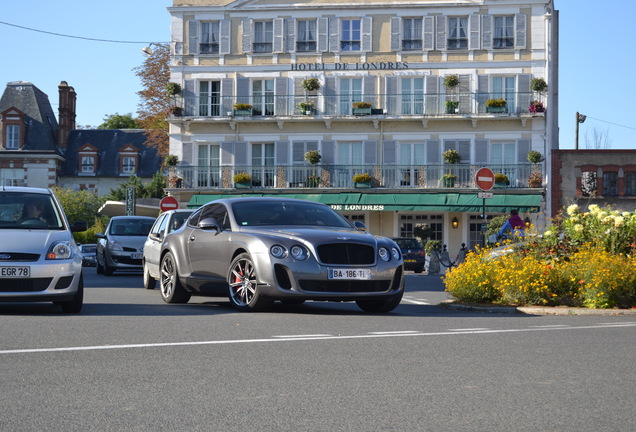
(411, 157)
(457, 33)
(412, 96)
(630, 184)
(263, 169)
(12, 136)
(350, 160)
(503, 159)
(350, 91)
(209, 163)
(209, 38)
(263, 36)
(504, 87)
(412, 37)
(209, 98)
(350, 35)
(306, 37)
(128, 164)
(504, 36)
(263, 97)
(610, 184)
(88, 164)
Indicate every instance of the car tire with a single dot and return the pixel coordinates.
(98, 267)
(108, 270)
(243, 290)
(380, 306)
(149, 281)
(172, 291)
(75, 305)
(419, 269)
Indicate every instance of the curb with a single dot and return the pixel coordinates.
(537, 310)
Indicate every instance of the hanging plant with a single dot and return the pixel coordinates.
(171, 160)
(451, 81)
(534, 157)
(173, 89)
(451, 156)
(311, 84)
(538, 84)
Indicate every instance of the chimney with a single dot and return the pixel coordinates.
(66, 121)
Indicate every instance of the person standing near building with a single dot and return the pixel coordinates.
(514, 224)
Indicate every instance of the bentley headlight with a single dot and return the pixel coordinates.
(278, 251)
(299, 253)
(59, 250)
(396, 253)
(384, 254)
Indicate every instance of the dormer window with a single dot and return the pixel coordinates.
(128, 164)
(128, 160)
(12, 138)
(88, 165)
(13, 132)
(88, 160)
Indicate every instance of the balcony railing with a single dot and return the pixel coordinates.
(393, 105)
(341, 176)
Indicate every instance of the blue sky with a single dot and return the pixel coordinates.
(597, 59)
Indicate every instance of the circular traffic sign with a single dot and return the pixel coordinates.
(168, 203)
(485, 179)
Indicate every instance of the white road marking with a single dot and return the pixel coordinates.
(551, 326)
(408, 333)
(414, 300)
(307, 335)
(469, 329)
(394, 332)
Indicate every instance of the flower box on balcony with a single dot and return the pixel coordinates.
(362, 180)
(452, 107)
(361, 108)
(242, 109)
(496, 106)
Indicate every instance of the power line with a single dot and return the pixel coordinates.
(615, 124)
(76, 37)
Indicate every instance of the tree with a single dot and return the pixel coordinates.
(597, 139)
(155, 101)
(154, 189)
(119, 121)
(79, 205)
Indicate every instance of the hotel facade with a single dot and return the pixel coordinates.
(383, 88)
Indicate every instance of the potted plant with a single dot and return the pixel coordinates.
(171, 160)
(361, 108)
(451, 106)
(176, 111)
(536, 107)
(173, 89)
(362, 180)
(242, 180)
(538, 85)
(242, 109)
(451, 156)
(535, 179)
(496, 105)
(311, 84)
(448, 180)
(306, 107)
(313, 157)
(534, 157)
(451, 81)
(501, 180)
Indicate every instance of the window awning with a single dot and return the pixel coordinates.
(446, 202)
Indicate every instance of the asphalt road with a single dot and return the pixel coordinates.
(131, 362)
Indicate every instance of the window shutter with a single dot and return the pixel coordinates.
(433, 153)
(247, 35)
(298, 151)
(429, 35)
(463, 147)
(193, 37)
(523, 147)
(483, 92)
(432, 94)
(330, 96)
(189, 98)
(327, 152)
(368, 83)
(370, 151)
(396, 33)
(280, 91)
(441, 32)
(227, 150)
(392, 97)
(225, 33)
(227, 95)
(473, 28)
(278, 44)
(290, 38)
(334, 34)
(367, 39)
(242, 90)
(388, 152)
(464, 93)
(282, 152)
(520, 37)
(486, 32)
(240, 153)
(323, 34)
(481, 151)
(523, 92)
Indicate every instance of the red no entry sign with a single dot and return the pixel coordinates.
(168, 203)
(485, 179)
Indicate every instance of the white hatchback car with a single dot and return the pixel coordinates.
(39, 260)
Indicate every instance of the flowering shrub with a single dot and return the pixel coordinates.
(536, 107)
(451, 156)
(585, 259)
(535, 179)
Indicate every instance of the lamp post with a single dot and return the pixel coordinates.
(580, 118)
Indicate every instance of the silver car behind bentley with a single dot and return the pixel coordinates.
(260, 250)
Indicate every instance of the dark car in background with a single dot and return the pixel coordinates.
(121, 246)
(88, 254)
(166, 223)
(413, 253)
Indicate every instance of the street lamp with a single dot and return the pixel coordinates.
(580, 118)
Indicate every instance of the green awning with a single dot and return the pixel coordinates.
(451, 202)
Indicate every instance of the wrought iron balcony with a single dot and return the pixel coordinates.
(342, 105)
(441, 176)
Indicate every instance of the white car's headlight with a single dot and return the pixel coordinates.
(384, 254)
(114, 246)
(299, 253)
(278, 251)
(60, 250)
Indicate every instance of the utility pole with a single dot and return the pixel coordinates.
(580, 118)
